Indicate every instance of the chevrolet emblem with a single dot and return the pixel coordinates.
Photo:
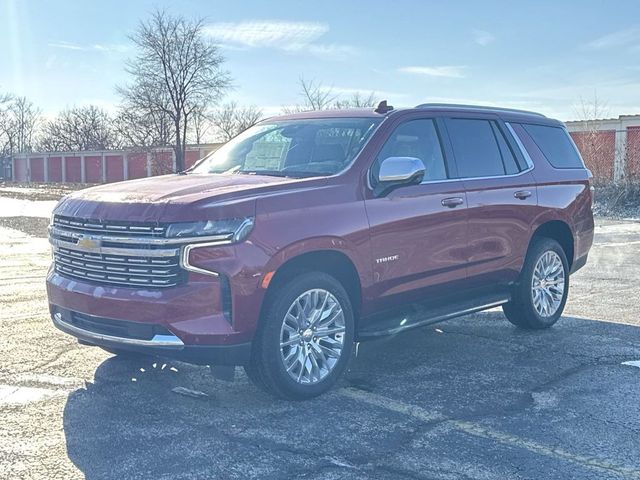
(89, 243)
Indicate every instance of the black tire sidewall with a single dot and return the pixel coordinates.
(524, 299)
(271, 368)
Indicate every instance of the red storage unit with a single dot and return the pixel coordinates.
(191, 157)
(37, 169)
(632, 166)
(115, 172)
(93, 168)
(55, 169)
(137, 165)
(73, 170)
(20, 170)
(161, 163)
(598, 150)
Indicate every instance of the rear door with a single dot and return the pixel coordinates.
(501, 197)
(418, 232)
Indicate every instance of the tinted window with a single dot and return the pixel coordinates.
(417, 138)
(508, 159)
(475, 148)
(556, 146)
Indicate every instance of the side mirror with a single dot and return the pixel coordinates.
(399, 171)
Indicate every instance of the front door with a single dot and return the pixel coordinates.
(418, 232)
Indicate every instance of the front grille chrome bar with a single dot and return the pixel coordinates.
(115, 250)
(56, 232)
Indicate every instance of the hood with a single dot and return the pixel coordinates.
(177, 188)
(174, 197)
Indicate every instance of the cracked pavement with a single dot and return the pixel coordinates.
(469, 398)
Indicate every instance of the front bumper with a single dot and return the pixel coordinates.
(144, 338)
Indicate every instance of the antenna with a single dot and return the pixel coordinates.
(383, 107)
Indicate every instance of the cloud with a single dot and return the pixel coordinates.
(483, 38)
(616, 39)
(449, 71)
(293, 37)
(96, 47)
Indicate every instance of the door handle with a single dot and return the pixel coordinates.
(452, 202)
(522, 194)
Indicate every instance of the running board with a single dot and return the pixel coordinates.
(420, 315)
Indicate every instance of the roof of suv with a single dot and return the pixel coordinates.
(503, 113)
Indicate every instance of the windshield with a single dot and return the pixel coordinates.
(293, 148)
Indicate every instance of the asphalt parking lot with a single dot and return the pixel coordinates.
(470, 398)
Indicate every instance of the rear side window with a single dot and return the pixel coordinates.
(508, 158)
(480, 148)
(555, 144)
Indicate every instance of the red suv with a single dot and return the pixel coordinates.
(312, 231)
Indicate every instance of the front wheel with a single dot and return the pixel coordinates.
(305, 338)
(541, 293)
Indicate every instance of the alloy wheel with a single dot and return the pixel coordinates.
(312, 336)
(548, 284)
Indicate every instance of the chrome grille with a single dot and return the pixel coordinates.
(115, 253)
(118, 269)
(97, 227)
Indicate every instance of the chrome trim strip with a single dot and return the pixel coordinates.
(156, 341)
(436, 319)
(129, 272)
(133, 252)
(184, 257)
(53, 230)
(119, 279)
(525, 153)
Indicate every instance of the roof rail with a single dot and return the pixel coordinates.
(477, 107)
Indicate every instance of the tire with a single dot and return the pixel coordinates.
(312, 315)
(539, 304)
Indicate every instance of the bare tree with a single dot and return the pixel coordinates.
(175, 61)
(6, 132)
(19, 119)
(81, 129)
(201, 124)
(142, 120)
(596, 146)
(315, 96)
(231, 120)
(358, 100)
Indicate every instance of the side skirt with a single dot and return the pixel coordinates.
(421, 314)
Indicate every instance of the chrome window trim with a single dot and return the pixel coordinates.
(156, 341)
(523, 150)
(521, 147)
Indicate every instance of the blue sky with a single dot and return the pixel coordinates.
(541, 55)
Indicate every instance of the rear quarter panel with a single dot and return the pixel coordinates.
(563, 194)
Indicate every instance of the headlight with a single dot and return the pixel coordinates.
(236, 228)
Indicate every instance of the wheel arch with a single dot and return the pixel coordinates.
(559, 231)
(332, 262)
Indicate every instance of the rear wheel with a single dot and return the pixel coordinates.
(304, 341)
(541, 293)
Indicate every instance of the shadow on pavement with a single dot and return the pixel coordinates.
(129, 424)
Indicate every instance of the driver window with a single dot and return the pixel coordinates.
(419, 139)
